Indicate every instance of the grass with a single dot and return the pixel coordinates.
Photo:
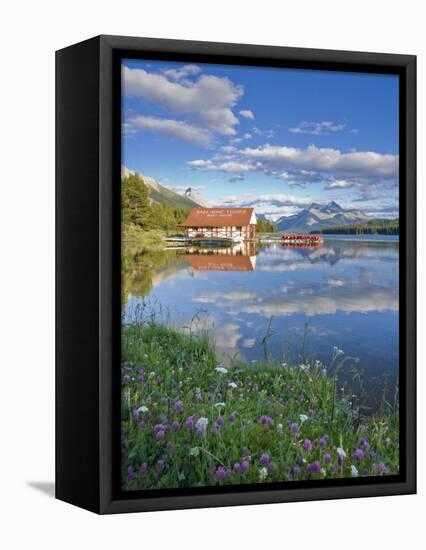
(187, 421)
(147, 240)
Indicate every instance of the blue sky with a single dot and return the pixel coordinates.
(275, 139)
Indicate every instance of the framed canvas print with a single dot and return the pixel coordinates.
(235, 274)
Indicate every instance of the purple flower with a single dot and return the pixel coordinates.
(213, 430)
(135, 414)
(160, 428)
(175, 425)
(296, 470)
(143, 468)
(220, 421)
(161, 434)
(381, 468)
(221, 473)
(237, 467)
(266, 420)
(363, 443)
(130, 473)
(189, 422)
(178, 405)
(244, 466)
(160, 465)
(142, 424)
(322, 441)
(264, 459)
(294, 428)
(307, 445)
(326, 458)
(359, 454)
(314, 467)
(126, 378)
(270, 467)
(201, 431)
(232, 417)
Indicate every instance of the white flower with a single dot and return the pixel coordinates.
(195, 451)
(341, 453)
(220, 404)
(304, 367)
(221, 370)
(143, 409)
(280, 427)
(354, 471)
(323, 472)
(303, 418)
(283, 364)
(202, 422)
(232, 385)
(263, 474)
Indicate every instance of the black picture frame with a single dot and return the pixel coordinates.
(88, 272)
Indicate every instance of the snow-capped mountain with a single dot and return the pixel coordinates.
(197, 197)
(320, 216)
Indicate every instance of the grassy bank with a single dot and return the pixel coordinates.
(188, 421)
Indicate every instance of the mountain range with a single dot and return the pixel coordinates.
(159, 193)
(319, 216)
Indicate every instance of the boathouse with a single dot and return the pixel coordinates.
(221, 222)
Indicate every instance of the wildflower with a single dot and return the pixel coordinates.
(126, 378)
(160, 435)
(244, 466)
(130, 473)
(303, 418)
(160, 465)
(263, 474)
(283, 364)
(341, 453)
(307, 445)
(363, 443)
(232, 417)
(202, 422)
(195, 451)
(175, 425)
(264, 459)
(232, 385)
(296, 470)
(294, 428)
(160, 428)
(381, 468)
(220, 404)
(220, 421)
(322, 441)
(326, 458)
(143, 468)
(266, 420)
(314, 467)
(189, 422)
(359, 454)
(280, 429)
(143, 409)
(178, 405)
(213, 430)
(221, 473)
(237, 467)
(354, 471)
(323, 472)
(222, 370)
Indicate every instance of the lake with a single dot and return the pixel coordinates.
(305, 301)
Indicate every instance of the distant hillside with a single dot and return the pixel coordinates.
(320, 216)
(372, 227)
(160, 194)
(195, 196)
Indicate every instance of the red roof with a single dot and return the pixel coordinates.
(218, 217)
(216, 262)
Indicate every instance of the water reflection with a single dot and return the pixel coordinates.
(347, 292)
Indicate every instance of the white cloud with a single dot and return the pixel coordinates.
(209, 99)
(173, 128)
(317, 128)
(182, 72)
(326, 160)
(247, 135)
(246, 113)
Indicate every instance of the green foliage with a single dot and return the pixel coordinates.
(372, 227)
(294, 419)
(265, 226)
(139, 211)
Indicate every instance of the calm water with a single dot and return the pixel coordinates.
(344, 294)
